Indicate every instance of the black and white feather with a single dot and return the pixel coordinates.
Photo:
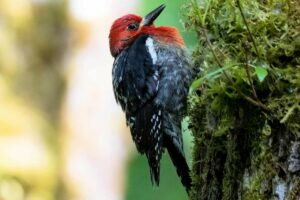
(151, 82)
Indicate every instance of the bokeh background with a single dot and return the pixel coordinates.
(62, 135)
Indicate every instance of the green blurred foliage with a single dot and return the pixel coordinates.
(171, 16)
(139, 182)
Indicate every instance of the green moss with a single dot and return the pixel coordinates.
(242, 123)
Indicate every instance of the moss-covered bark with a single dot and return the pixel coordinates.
(244, 109)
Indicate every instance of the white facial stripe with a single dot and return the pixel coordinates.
(151, 49)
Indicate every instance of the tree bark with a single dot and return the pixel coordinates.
(244, 109)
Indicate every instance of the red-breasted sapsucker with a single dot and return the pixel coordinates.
(151, 76)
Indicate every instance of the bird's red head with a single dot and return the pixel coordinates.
(123, 31)
(127, 28)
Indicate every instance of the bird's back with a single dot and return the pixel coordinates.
(175, 73)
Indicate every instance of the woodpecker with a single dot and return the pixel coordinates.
(151, 76)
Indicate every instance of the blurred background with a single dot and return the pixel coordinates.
(62, 135)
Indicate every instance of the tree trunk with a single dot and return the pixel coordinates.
(244, 109)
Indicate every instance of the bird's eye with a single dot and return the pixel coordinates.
(133, 26)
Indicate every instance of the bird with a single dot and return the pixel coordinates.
(151, 76)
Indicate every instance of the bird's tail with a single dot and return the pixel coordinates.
(154, 165)
(150, 138)
(180, 163)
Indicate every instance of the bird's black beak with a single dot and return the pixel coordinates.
(149, 19)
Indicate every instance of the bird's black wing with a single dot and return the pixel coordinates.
(135, 89)
(135, 76)
(118, 79)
